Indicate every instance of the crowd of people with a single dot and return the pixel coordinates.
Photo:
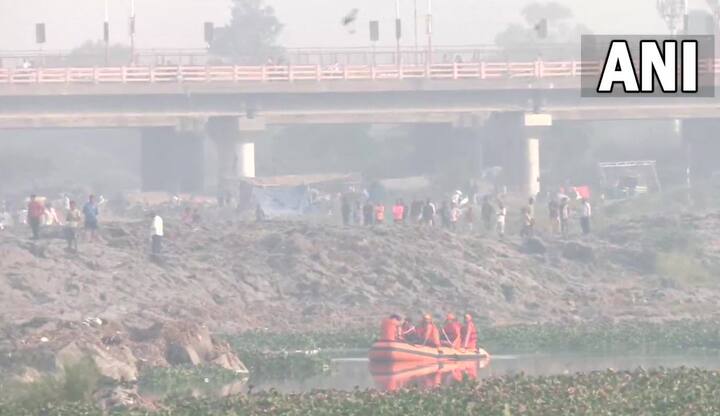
(453, 334)
(41, 215)
(458, 213)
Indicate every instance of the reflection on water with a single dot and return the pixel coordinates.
(351, 373)
(395, 376)
(357, 373)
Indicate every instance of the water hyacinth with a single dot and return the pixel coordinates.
(680, 391)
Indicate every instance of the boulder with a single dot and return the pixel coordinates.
(118, 364)
(230, 362)
(177, 354)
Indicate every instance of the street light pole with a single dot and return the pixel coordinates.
(429, 24)
(106, 32)
(132, 32)
(398, 32)
(415, 29)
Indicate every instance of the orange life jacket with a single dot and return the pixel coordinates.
(389, 330)
(380, 213)
(469, 336)
(429, 335)
(453, 330)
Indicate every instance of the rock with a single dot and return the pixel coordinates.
(119, 365)
(201, 342)
(28, 375)
(578, 252)
(230, 362)
(122, 398)
(177, 354)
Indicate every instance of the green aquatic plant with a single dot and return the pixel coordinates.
(260, 340)
(680, 391)
(77, 384)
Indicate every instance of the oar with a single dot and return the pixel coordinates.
(467, 336)
(446, 337)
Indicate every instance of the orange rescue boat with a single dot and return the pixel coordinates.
(393, 351)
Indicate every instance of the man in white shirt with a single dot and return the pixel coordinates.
(585, 218)
(156, 233)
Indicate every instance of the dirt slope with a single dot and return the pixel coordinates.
(232, 276)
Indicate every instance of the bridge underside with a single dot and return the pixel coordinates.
(461, 117)
(175, 117)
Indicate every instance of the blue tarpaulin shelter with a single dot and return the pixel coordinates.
(283, 201)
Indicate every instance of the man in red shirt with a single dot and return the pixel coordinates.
(398, 212)
(35, 212)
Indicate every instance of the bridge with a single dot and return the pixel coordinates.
(233, 103)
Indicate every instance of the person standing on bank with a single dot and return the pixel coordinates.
(586, 215)
(35, 212)
(72, 224)
(157, 233)
(91, 212)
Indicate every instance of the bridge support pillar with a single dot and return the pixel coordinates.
(534, 124)
(515, 142)
(235, 142)
(531, 183)
(172, 160)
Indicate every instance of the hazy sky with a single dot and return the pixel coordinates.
(308, 23)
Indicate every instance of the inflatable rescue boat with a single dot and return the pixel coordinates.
(392, 351)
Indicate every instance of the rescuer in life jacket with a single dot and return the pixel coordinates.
(452, 332)
(379, 213)
(469, 334)
(428, 333)
(390, 328)
(408, 333)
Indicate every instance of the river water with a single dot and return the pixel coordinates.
(356, 372)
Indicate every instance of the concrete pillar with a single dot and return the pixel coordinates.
(235, 141)
(236, 158)
(513, 143)
(534, 124)
(531, 185)
(172, 160)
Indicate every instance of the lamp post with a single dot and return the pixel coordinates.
(398, 33)
(429, 29)
(132, 32)
(415, 30)
(106, 32)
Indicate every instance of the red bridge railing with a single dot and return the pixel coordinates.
(307, 73)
